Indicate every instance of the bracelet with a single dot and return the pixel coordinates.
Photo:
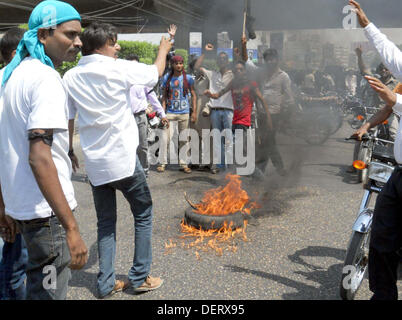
(71, 152)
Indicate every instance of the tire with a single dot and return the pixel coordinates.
(356, 257)
(207, 222)
(318, 131)
(337, 121)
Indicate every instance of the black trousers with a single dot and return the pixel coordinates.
(268, 148)
(386, 240)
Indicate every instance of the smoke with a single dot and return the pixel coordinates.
(296, 14)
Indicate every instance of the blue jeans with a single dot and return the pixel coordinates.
(221, 119)
(12, 270)
(135, 190)
(46, 243)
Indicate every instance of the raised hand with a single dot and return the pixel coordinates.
(172, 30)
(361, 16)
(209, 47)
(383, 91)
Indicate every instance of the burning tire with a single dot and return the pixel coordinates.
(208, 222)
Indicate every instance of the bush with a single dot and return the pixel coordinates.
(145, 51)
(68, 65)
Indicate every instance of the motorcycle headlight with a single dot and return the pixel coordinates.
(380, 172)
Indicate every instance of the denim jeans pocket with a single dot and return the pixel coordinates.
(39, 241)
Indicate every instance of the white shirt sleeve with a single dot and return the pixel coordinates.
(139, 73)
(72, 109)
(389, 52)
(398, 105)
(48, 104)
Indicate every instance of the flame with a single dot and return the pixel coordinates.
(360, 117)
(359, 165)
(226, 200)
(217, 240)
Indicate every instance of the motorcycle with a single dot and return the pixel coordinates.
(379, 169)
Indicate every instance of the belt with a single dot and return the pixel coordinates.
(222, 109)
(39, 220)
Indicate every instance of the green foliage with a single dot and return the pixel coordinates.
(145, 51)
(68, 65)
(23, 26)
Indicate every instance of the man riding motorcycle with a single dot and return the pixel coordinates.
(386, 234)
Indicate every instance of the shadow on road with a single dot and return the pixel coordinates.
(349, 178)
(85, 279)
(328, 279)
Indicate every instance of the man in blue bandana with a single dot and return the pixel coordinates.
(37, 194)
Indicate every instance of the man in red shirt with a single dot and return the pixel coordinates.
(244, 95)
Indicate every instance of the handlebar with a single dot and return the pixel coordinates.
(367, 137)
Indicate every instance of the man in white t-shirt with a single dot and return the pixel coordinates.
(36, 190)
(221, 109)
(99, 90)
(386, 231)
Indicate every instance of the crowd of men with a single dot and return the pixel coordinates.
(110, 98)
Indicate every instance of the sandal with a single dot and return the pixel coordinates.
(187, 170)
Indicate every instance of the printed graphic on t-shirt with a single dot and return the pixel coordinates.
(177, 101)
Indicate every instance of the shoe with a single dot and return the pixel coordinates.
(186, 169)
(149, 284)
(118, 286)
(160, 168)
(214, 170)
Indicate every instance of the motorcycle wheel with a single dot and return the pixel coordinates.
(336, 120)
(357, 257)
(318, 131)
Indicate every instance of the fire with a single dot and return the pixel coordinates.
(226, 200)
(220, 201)
(217, 240)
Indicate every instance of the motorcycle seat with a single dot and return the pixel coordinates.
(384, 153)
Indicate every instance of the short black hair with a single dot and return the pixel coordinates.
(96, 35)
(270, 53)
(133, 57)
(240, 62)
(10, 42)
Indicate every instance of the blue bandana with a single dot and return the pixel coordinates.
(46, 14)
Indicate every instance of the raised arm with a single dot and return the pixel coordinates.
(160, 61)
(389, 52)
(362, 67)
(200, 60)
(244, 48)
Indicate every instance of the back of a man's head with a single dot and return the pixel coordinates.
(96, 35)
(9, 43)
(270, 54)
(133, 57)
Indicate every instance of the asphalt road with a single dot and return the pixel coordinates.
(296, 241)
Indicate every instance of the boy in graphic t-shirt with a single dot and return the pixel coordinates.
(178, 94)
